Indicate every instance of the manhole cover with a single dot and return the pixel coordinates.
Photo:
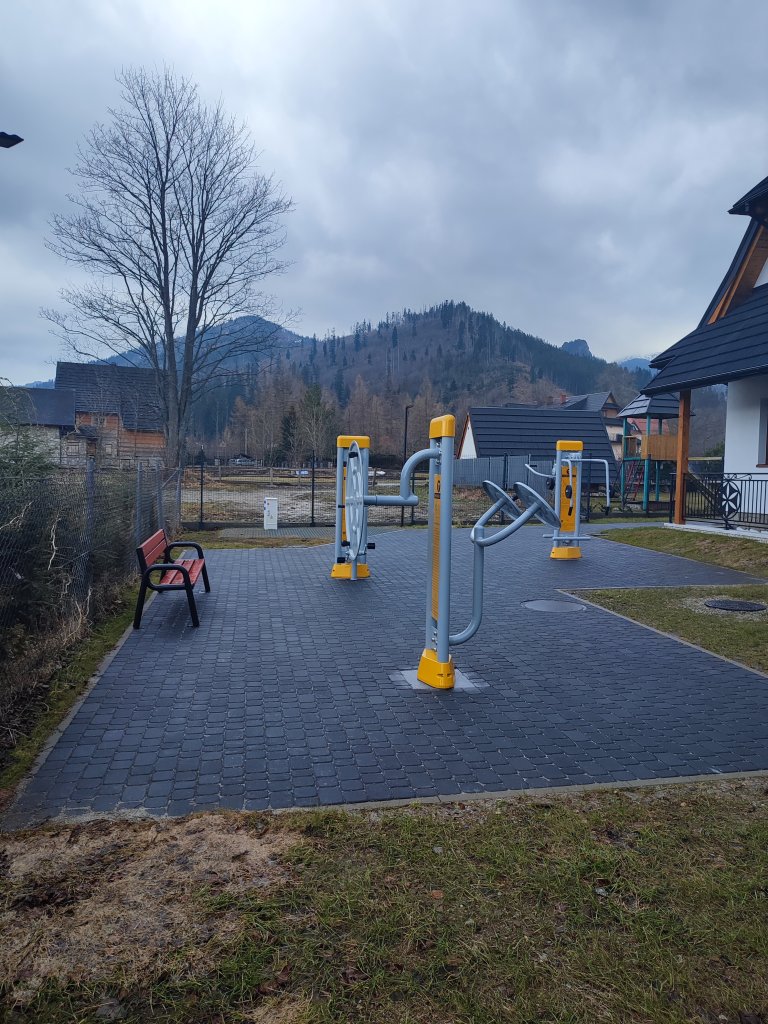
(554, 606)
(726, 605)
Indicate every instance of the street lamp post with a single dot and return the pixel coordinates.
(405, 456)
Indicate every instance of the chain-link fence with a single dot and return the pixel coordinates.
(211, 496)
(219, 496)
(69, 534)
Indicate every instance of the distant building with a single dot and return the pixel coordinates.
(604, 403)
(47, 414)
(118, 420)
(528, 430)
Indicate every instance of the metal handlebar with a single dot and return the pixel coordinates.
(536, 507)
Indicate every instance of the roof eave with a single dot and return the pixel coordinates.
(704, 382)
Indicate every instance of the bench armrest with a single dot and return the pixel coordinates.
(184, 544)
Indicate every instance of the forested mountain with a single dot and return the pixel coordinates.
(444, 358)
(294, 398)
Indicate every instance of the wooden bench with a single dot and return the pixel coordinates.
(155, 556)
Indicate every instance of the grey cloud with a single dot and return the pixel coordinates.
(564, 166)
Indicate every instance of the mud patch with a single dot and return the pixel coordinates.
(82, 903)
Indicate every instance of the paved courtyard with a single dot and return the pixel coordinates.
(291, 693)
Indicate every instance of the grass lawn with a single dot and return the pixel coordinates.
(53, 699)
(732, 552)
(211, 540)
(681, 612)
(624, 906)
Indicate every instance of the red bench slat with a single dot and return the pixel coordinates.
(173, 576)
(154, 547)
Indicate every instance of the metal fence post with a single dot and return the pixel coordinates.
(139, 536)
(505, 483)
(83, 565)
(179, 478)
(160, 509)
(312, 499)
(202, 484)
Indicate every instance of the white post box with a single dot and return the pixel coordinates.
(270, 513)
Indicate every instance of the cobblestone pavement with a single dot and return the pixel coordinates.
(284, 694)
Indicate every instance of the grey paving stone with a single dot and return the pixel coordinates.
(283, 696)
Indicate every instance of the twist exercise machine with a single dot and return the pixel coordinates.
(436, 666)
(566, 479)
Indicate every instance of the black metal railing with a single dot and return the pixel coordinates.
(729, 499)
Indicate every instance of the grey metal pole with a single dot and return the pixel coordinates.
(337, 551)
(405, 456)
(430, 636)
(138, 523)
(160, 509)
(312, 493)
(202, 484)
(446, 524)
(179, 478)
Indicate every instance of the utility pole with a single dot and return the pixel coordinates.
(405, 456)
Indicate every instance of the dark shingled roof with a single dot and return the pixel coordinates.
(43, 407)
(588, 403)
(522, 431)
(734, 346)
(105, 389)
(660, 407)
(754, 203)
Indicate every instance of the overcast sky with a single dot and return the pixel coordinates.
(564, 164)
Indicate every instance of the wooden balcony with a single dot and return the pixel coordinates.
(661, 447)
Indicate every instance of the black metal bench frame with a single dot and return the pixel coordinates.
(158, 545)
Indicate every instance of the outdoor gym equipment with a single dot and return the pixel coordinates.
(566, 481)
(436, 667)
(351, 561)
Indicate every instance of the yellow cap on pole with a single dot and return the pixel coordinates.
(345, 440)
(443, 426)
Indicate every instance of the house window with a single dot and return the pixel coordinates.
(109, 449)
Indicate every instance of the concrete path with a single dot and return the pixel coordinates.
(291, 692)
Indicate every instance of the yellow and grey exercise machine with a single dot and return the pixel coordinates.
(436, 666)
(566, 481)
(352, 452)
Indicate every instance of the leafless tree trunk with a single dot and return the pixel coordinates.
(177, 228)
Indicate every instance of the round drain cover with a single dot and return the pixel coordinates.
(554, 606)
(727, 605)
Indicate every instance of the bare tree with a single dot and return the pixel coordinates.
(176, 227)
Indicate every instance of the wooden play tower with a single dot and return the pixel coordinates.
(644, 452)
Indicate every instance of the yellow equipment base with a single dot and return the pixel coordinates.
(563, 552)
(343, 571)
(439, 674)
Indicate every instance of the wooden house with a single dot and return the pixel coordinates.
(604, 403)
(118, 420)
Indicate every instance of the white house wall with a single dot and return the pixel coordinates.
(746, 426)
(468, 450)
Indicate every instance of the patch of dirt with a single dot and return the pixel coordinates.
(283, 1011)
(88, 901)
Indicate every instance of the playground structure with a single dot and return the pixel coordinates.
(436, 666)
(566, 480)
(643, 457)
